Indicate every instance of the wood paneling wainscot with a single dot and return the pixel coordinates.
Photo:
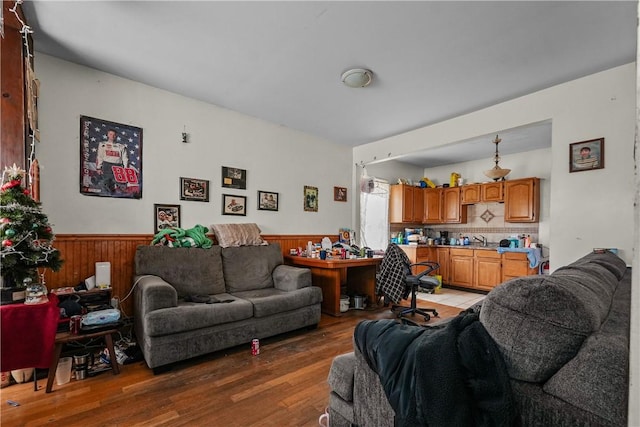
(80, 253)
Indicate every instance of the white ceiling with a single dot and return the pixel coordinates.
(282, 61)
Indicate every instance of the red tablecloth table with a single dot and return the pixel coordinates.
(27, 334)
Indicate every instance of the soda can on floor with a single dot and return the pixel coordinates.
(255, 347)
(74, 324)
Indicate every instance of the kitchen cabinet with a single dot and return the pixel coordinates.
(417, 254)
(492, 192)
(406, 204)
(461, 267)
(442, 257)
(432, 206)
(516, 264)
(487, 269)
(453, 212)
(470, 194)
(522, 200)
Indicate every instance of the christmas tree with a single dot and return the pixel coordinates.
(25, 232)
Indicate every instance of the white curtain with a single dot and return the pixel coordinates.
(374, 213)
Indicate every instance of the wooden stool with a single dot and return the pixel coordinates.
(65, 337)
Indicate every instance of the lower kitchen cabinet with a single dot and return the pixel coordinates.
(487, 268)
(516, 264)
(419, 254)
(442, 257)
(480, 269)
(461, 267)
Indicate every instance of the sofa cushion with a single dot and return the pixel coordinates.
(229, 235)
(596, 380)
(540, 322)
(273, 301)
(188, 316)
(250, 267)
(191, 271)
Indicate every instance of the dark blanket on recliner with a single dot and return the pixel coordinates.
(444, 375)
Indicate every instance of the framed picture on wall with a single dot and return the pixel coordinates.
(194, 189)
(234, 178)
(166, 216)
(234, 205)
(110, 159)
(340, 194)
(586, 155)
(267, 201)
(310, 199)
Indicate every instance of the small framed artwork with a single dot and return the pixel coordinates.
(267, 201)
(234, 205)
(166, 216)
(340, 194)
(586, 155)
(194, 189)
(234, 178)
(310, 199)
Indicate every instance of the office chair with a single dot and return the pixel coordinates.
(413, 283)
(395, 282)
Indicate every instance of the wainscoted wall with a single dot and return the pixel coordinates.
(80, 252)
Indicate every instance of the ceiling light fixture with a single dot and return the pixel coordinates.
(497, 173)
(357, 77)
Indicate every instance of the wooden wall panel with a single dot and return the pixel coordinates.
(80, 252)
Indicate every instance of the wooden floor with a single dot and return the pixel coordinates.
(284, 386)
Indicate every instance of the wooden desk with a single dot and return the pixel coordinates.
(358, 274)
(65, 337)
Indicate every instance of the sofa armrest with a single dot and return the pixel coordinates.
(289, 278)
(153, 293)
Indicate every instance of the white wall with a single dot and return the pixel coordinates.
(276, 158)
(586, 209)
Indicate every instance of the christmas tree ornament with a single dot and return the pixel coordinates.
(7, 243)
(10, 232)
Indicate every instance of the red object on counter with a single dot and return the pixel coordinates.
(28, 334)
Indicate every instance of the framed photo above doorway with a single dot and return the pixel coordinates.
(586, 155)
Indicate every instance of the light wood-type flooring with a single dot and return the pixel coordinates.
(284, 386)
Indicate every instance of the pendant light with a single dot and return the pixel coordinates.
(497, 173)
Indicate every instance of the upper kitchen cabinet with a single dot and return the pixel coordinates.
(453, 212)
(406, 204)
(432, 205)
(470, 194)
(522, 200)
(492, 192)
(476, 193)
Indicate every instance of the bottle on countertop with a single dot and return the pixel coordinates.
(527, 241)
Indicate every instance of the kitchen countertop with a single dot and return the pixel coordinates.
(490, 246)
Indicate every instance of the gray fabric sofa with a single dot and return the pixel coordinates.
(260, 297)
(564, 338)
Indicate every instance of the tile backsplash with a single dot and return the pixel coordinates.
(486, 219)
